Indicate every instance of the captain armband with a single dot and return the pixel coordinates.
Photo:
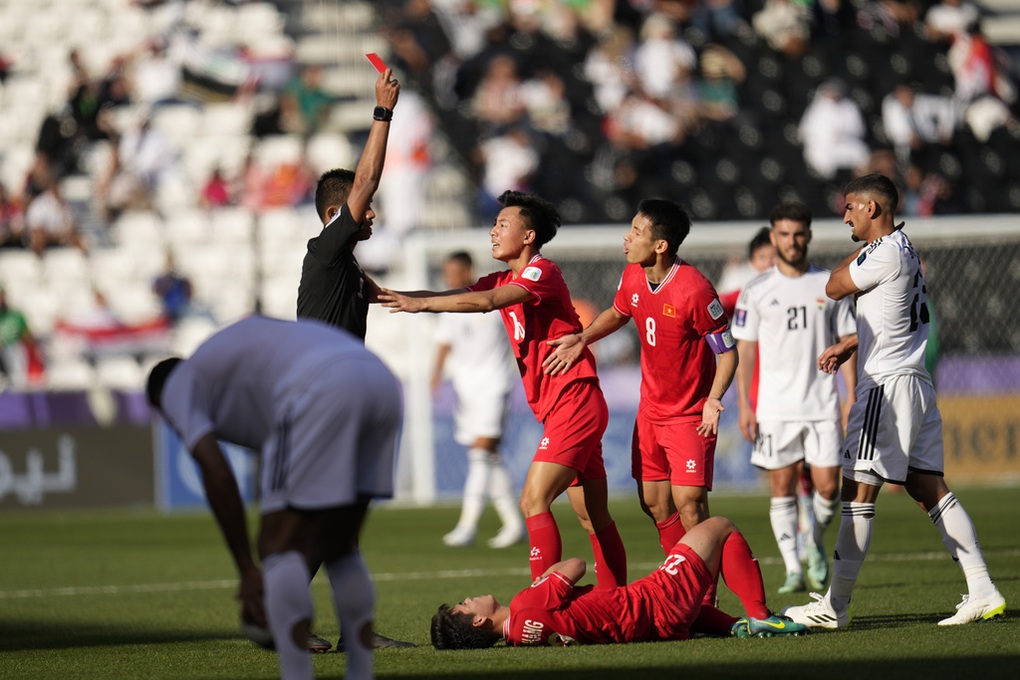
(721, 341)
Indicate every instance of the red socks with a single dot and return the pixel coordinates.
(546, 544)
(742, 575)
(671, 530)
(610, 557)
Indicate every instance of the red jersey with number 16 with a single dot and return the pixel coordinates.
(548, 315)
(677, 363)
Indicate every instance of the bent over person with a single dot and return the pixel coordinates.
(665, 605)
(279, 387)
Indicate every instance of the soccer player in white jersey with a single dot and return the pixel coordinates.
(475, 351)
(894, 432)
(287, 389)
(782, 321)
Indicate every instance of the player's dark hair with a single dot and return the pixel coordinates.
(760, 240)
(461, 257)
(333, 188)
(541, 215)
(795, 211)
(875, 183)
(670, 222)
(454, 631)
(157, 378)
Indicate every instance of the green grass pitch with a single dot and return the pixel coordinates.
(137, 595)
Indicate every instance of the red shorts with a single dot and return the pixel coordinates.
(676, 590)
(574, 429)
(673, 450)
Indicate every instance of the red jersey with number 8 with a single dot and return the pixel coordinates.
(673, 320)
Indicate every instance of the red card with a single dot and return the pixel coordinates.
(377, 61)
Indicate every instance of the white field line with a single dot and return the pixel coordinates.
(222, 584)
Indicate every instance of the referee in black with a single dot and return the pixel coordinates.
(333, 287)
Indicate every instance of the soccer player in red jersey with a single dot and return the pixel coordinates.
(665, 605)
(684, 334)
(535, 305)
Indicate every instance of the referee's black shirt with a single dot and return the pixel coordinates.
(332, 287)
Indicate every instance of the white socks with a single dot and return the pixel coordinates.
(288, 602)
(354, 597)
(852, 544)
(960, 538)
(501, 490)
(783, 514)
(487, 478)
(476, 489)
(824, 510)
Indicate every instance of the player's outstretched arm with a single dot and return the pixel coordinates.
(460, 301)
(570, 347)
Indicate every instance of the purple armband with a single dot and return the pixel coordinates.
(721, 341)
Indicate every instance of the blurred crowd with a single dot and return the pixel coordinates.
(595, 103)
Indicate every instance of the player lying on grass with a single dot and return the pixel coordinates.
(665, 605)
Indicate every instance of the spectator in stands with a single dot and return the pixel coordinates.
(833, 131)
(508, 162)
(304, 104)
(51, 222)
(949, 18)
(721, 74)
(662, 59)
(156, 74)
(140, 161)
(16, 344)
(913, 120)
(12, 220)
(418, 39)
(498, 102)
(785, 26)
(173, 290)
(978, 68)
(608, 68)
(216, 191)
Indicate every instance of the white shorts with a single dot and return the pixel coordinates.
(782, 443)
(481, 413)
(334, 439)
(894, 428)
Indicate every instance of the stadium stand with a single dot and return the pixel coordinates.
(735, 149)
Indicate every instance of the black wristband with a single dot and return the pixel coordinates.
(382, 113)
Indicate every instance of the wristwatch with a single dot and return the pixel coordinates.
(382, 113)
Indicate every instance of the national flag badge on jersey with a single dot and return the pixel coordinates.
(669, 310)
(821, 303)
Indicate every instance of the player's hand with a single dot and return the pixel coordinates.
(748, 423)
(568, 350)
(710, 417)
(834, 356)
(250, 594)
(396, 302)
(387, 89)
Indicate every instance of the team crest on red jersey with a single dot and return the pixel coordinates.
(669, 310)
